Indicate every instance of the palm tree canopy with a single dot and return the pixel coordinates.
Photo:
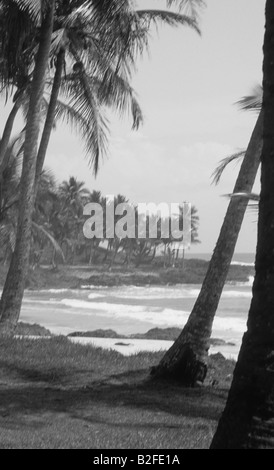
(101, 40)
(252, 102)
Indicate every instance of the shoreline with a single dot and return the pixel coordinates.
(75, 277)
(155, 340)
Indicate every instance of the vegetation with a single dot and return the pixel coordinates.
(247, 422)
(73, 60)
(187, 359)
(91, 47)
(58, 221)
(55, 394)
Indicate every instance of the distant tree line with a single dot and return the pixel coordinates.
(58, 220)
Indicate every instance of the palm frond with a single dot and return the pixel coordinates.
(116, 93)
(59, 39)
(33, 7)
(253, 199)
(250, 196)
(85, 101)
(252, 102)
(50, 238)
(87, 122)
(190, 7)
(168, 18)
(7, 235)
(217, 174)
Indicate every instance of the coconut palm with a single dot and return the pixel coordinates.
(186, 361)
(74, 194)
(9, 186)
(247, 422)
(19, 23)
(9, 201)
(103, 51)
(12, 296)
(121, 36)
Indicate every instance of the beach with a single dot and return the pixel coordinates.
(133, 310)
(134, 302)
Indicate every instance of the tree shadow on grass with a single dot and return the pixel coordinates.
(141, 396)
(30, 374)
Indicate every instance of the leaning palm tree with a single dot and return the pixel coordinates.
(19, 23)
(186, 361)
(100, 76)
(120, 33)
(13, 291)
(247, 422)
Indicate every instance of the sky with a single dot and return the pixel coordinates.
(187, 87)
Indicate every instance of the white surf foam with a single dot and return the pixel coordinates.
(238, 263)
(154, 315)
(164, 293)
(51, 291)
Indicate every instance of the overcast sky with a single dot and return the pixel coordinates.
(187, 88)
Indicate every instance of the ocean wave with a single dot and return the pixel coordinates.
(96, 296)
(54, 291)
(249, 283)
(238, 263)
(150, 294)
(105, 306)
(237, 294)
(165, 293)
(42, 302)
(154, 315)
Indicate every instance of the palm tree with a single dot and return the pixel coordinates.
(186, 361)
(93, 245)
(102, 53)
(9, 186)
(19, 21)
(247, 422)
(124, 33)
(13, 291)
(74, 194)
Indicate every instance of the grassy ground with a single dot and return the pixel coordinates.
(55, 394)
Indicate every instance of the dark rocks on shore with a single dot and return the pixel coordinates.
(97, 334)
(167, 334)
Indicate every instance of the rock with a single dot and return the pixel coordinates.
(167, 334)
(220, 342)
(218, 358)
(96, 334)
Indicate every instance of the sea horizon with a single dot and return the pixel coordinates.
(238, 258)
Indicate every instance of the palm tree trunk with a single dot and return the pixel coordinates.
(12, 296)
(48, 126)
(186, 361)
(248, 420)
(4, 143)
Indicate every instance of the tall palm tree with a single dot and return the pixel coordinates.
(102, 49)
(186, 361)
(13, 291)
(247, 422)
(19, 23)
(123, 34)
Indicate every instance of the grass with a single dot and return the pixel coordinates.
(58, 395)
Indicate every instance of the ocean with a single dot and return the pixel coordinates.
(244, 259)
(129, 310)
